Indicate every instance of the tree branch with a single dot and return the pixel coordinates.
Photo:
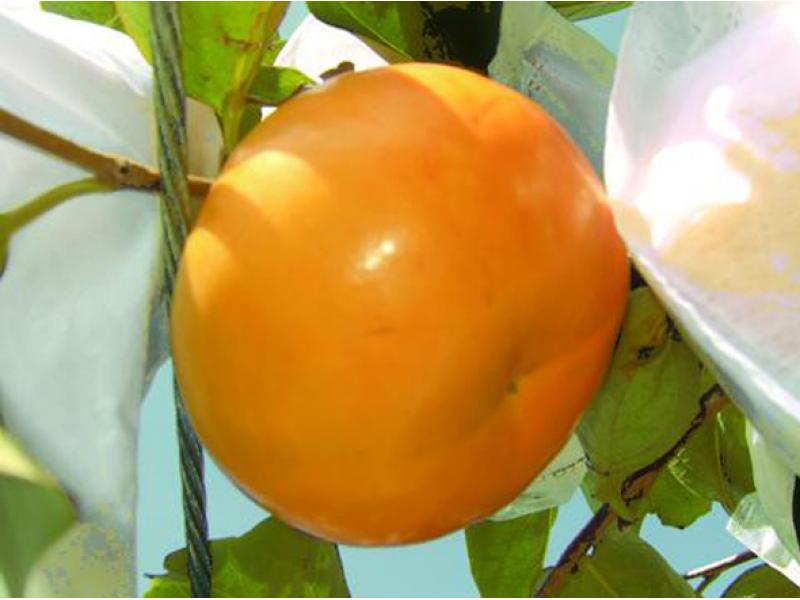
(721, 566)
(711, 572)
(577, 549)
(635, 487)
(637, 484)
(114, 171)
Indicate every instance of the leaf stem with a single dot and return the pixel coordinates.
(19, 217)
(266, 21)
(13, 220)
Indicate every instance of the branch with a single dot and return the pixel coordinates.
(114, 171)
(711, 572)
(568, 561)
(721, 565)
(635, 486)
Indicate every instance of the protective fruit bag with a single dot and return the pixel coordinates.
(80, 302)
(702, 165)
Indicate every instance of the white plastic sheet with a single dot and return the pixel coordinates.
(703, 168)
(554, 486)
(763, 521)
(561, 67)
(315, 47)
(80, 338)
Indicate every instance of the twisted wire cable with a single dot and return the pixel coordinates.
(170, 107)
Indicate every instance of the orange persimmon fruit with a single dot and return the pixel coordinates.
(401, 293)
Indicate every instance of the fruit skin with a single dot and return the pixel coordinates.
(400, 294)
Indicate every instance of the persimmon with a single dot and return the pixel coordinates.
(400, 294)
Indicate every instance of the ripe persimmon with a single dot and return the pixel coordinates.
(400, 295)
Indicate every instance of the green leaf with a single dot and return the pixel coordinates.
(34, 513)
(576, 11)
(735, 463)
(648, 400)
(272, 51)
(250, 118)
(715, 463)
(271, 560)
(100, 13)
(673, 503)
(223, 45)
(625, 566)
(274, 85)
(461, 33)
(762, 582)
(507, 557)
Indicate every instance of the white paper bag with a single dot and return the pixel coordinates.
(764, 521)
(316, 47)
(561, 67)
(702, 166)
(553, 486)
(80, 334)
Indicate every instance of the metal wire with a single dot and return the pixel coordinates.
(170, 107)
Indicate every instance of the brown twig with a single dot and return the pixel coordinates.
(711, 572)
(721, 566)
(637, 484)
(635, 487)
(567, 563)
(114, 171)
